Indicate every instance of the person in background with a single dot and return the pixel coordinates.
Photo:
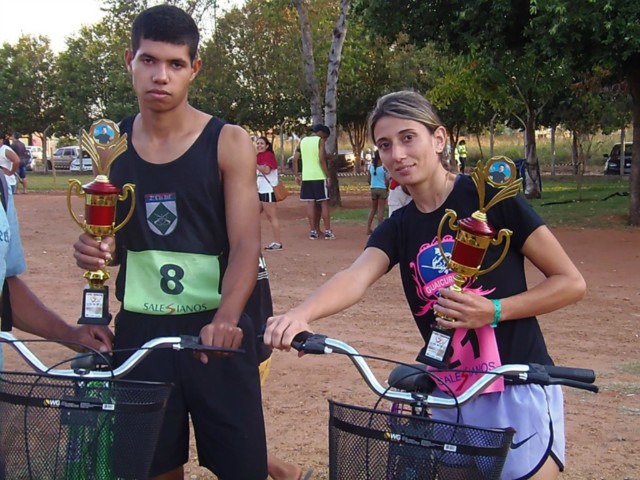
(378, 182)
(267, 174)
(398, 197)
(314, 183)
(9, 162)
(25, 158)
(494, 317)
(188, 257)
(461, 151)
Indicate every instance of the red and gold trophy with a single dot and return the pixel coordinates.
(104, 144)
(474, 236)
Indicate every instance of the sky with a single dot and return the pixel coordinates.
(57, 19)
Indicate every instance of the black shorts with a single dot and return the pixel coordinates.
(222, 398)
(314, 191)
(267, 197)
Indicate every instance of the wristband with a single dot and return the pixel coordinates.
(497, 311)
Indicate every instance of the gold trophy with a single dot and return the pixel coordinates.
(103, 144)
(474, 236)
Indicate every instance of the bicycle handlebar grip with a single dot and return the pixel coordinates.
(308, 342)
(583, 375)
(576, 384)
(193, 342)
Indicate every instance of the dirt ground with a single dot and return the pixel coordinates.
(601, 332)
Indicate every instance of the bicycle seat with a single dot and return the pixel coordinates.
(411, 378)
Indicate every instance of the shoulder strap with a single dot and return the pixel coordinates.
(7, 319)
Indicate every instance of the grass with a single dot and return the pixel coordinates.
(563, 203)
(633, 368)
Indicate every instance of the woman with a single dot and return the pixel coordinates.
(267, 171)
(9, 162)
(378, 183)
(411, 139)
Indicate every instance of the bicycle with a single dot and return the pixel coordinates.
(374, 444)
(85, 422)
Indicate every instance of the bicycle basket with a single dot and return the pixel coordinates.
(368, 444)
(73, 429)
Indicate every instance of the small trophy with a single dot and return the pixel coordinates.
(474, 235)
(104, 144)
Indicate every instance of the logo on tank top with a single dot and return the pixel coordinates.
(162, 213)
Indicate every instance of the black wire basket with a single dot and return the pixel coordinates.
(73, 429)
(368, 444)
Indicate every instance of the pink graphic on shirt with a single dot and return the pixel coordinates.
(475, 351)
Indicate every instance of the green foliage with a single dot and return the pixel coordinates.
(26, 94)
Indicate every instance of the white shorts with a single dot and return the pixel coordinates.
(536, 413)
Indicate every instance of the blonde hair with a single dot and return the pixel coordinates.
(408, 105)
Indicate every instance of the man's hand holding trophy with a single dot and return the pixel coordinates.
(104, 144)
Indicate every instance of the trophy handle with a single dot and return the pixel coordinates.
(126, 189)
(505, 234)
(74, 187)
(452, 216)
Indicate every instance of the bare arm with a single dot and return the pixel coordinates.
(323, 158)
(294, 164)
(344, 289)
(14, 159)
(32, 316)
(562, 286)
(236, 156)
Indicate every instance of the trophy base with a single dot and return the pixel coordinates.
(95, 306)
(437, 351)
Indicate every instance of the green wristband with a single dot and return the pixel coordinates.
(496, 312)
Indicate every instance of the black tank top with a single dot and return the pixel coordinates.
(174, 250)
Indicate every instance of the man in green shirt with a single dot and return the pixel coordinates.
(314, 184)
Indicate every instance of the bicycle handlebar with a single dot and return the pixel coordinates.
(84, 369)
(541, 374)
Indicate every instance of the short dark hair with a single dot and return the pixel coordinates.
(165, 23)
(16, 135)
(318, 127)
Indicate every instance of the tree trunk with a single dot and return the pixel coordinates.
(553, 150)
(492, 134)
(309, 61)
(634, 178)
(532, 173)
(331, 94)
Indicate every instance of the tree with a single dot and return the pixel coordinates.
(245, 75)
(498, 33)
(605, 35)
(26, 99)
(338, 35)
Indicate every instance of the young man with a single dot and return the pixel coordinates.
(189, 255)
(315, 180)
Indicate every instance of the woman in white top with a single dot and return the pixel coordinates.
(9, 162)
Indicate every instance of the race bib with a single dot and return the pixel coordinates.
(171, 283)
(474, 350)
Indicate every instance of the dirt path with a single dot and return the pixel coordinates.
(601, 332)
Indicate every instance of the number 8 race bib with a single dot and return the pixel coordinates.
(170, 283)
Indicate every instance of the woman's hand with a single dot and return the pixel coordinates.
(468, 309)
(282, 329)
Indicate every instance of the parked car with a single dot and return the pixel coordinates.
(612, 162)
(345, 161)
(86, 166)
(36, 151)
(63, 156)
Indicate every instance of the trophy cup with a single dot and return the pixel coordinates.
(103, 144)
(474, 235)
